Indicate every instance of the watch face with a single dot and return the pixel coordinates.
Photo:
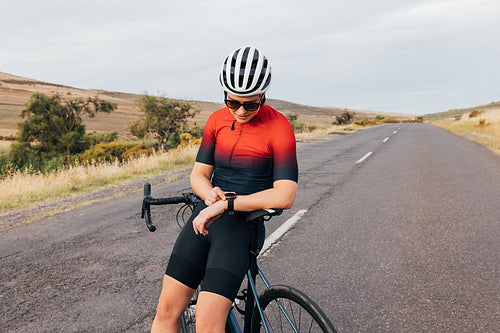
(230, 194)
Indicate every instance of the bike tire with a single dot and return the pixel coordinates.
(188, 322)
(302, 310)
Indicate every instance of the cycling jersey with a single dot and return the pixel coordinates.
(249, 157)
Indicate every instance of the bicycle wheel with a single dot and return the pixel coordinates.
(286, 308)
(188, 322)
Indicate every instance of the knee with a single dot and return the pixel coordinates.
(166, 313)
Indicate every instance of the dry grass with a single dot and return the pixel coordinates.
(5, 144)
(483, 127)
(329, 130)
(24, 188)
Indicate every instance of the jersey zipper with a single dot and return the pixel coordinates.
(235, 143)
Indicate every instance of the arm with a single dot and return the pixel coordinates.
(281, 196)
(200, 183)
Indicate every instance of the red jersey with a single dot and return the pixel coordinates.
(248, 158)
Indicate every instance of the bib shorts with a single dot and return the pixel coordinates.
(219, 260)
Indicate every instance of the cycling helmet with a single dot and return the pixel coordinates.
(245, 72)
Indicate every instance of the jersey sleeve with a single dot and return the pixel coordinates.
(284, 151)
(206, 152)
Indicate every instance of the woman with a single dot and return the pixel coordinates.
(246, 161)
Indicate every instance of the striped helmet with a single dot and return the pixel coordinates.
(245, 72)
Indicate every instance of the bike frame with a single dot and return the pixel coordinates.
(252, 295)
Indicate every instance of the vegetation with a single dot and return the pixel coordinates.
(24, 187)
(53, 156)
(52, 136)
(299, 127)
(344, 118)
(163, 118)
(382, 120)
(52, 130)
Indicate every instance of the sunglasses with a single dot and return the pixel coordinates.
(249, 106)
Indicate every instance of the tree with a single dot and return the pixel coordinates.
(55, 126)
(163, 118)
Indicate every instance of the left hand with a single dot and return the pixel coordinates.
(207, 216)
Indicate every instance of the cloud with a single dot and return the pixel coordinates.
(365, 54)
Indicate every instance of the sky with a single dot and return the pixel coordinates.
(401, 56)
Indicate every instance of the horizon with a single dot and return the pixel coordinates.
(271, 98)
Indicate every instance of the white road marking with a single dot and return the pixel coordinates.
(278, 233)
(385, 140)
(394, 132)
(364, 158)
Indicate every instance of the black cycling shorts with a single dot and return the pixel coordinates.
(219, 259)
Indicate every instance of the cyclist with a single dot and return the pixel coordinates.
(246, 161)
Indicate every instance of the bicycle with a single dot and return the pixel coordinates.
(279, 308)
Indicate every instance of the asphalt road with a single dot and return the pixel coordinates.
(405, 240)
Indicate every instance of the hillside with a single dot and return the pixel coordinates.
(15, 91)
(457, 113)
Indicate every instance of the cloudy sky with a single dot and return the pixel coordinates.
(405, 56)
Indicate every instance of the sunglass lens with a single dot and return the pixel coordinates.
(232, 104)
(251, 106)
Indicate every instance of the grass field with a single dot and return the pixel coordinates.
(24, 188)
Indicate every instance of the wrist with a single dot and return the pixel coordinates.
(230, 197)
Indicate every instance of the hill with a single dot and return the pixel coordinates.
(457, 113)
(15, 91)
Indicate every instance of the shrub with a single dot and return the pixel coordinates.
(365, 122)
(187, 139)
(95, 138)
(344, 118)
(296, 126)
(389, 121)
(107, 151)
(474, 113)
(137, 151)
(6, 166)
(483, 123)
(8, 137)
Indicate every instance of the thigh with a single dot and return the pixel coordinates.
(211, 312)
(189, 256)
(228, 259)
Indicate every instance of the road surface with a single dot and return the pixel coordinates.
(400, 234)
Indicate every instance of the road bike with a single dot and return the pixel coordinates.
(279, 308)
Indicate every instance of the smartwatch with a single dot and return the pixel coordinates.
(230, 196)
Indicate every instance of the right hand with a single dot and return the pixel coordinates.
(214, 195)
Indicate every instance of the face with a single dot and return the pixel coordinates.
(241, 114)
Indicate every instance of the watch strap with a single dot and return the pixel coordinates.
(230, 206)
